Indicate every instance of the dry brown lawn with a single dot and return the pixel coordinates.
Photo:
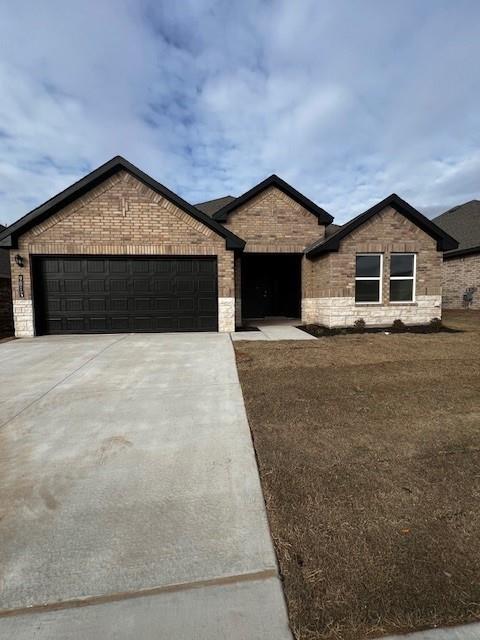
(369, 454)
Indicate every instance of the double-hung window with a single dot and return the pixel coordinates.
(402, 277)
(368, 278)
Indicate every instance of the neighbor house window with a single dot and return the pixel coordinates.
(368, 278)
(402, 277)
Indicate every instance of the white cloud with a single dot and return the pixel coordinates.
(348, 101)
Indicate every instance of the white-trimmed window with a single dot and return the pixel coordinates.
(403, 268)
(368, 278)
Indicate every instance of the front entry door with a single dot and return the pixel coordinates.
(271, 285)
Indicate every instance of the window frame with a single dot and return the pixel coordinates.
(413, 277)
(379, 278)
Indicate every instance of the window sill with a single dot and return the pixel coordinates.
(368, 304)
(386, 304)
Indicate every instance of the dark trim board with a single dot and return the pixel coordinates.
(8, 237)
(122, 294)
(460, 253)
(444, 241)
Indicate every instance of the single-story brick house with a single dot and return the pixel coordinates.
(461, 266)
(6, 316)
(118, 252)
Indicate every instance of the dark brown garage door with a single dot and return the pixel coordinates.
(110, 295)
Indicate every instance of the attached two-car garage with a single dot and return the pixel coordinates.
(119, 252)
(101, 294)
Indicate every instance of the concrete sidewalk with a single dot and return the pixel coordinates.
(273, 329)
(129, 484)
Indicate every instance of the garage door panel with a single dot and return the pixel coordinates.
(206, 286)
(67, 285)
(120, 324)
(207, 305)
(184, 285)
(73, 305)
(95, 266)
(92, 295)
(98, 324)
(72, 266)
(119, 304)
(118, 285)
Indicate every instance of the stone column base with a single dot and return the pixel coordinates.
(226, 314)
(23, 318)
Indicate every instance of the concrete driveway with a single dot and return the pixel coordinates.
(128, 482)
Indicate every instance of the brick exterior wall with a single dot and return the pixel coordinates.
(122, 216)
(272, 222)
(459, 274)
(329, 281)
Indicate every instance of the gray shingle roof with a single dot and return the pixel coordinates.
(212, 206)
(463, 223)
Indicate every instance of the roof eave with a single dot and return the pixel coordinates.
(323, 216)
(444, 241)
(460, 253)
(94, 178)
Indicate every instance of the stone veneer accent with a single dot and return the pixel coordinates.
(458, 274)
(343, 312)
(226, 314)
(23, 318)
(121, 216)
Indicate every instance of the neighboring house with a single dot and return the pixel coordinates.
(461, 266)
(6, 316)
(119, 252)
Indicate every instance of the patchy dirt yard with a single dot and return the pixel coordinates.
(369, 454)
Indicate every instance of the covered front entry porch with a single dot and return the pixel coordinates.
(269, 285)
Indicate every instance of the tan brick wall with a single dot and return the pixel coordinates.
(273, 222)
(331, 278)
(458, 275)
(388, 232)
(122, 216)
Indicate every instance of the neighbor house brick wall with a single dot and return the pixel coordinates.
(329, 287)
(122, 216)
(458, 274)
(272, 222)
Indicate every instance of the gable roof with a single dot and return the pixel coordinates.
(9, 236)
(463, 223)
(212, 206)
(274, 181)
(332, 243)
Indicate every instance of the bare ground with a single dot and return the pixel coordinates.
(369, 454)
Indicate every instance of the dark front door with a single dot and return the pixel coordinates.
(110, 294)
(271, 285)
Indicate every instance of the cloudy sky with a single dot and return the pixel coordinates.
(346, 100)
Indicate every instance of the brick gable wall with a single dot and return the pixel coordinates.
(122, 216)
(274, 223)
(331, 278)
